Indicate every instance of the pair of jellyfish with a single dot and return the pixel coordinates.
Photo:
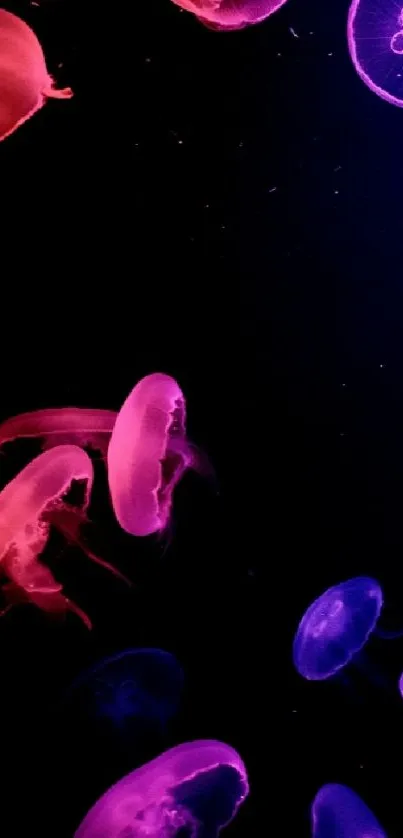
(148, 453)
(338, 812)
(25, 84)
(375, 41)
(192, 790)
(227, 15)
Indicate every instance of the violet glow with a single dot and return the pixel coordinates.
(170, 793)
(336, 626)
(375, 40)
(338, 812)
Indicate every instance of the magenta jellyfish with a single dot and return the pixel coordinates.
(338, 812)
(194, 789)
(336, 626)
(81, 426)
(148, 454)
(226, 15)
(25, 83)
(29, 505)
(375, 40)
(128, 696)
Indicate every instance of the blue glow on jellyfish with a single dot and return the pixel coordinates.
(375, 40)
(336, 626)
(338, 812)
(129, 693)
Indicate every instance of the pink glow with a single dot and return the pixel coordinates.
(155, 799)
(29, 505)
(64, 425)
(25, 83)
(226, 15)
(375, 40)
(148, 453)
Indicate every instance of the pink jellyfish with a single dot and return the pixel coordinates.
(29, 505)
(375, 41)
(25, 83)
(61, 425)
(226, 15)
(148, 453)
(195, 788)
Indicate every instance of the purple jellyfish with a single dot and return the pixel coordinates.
(336, 626)
(127, 696)
(226, 15)
(197, 787)
(338, 812)
(375, 40)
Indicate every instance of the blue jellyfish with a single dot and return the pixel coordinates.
(336, 626)
(375, 40)
(126, 695)
(338, 812)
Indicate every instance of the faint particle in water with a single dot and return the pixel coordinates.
(336, 626)
(227, 15)
(29, 505)
(338, 812)
(375, 40)
(195, 788)
(129, 695)
(25, 84)
(148, 454)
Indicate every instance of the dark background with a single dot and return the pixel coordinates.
(227, 209)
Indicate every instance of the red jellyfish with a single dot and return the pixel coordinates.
(148, 454)
(25, 83)
(29, 505)
(226, 15)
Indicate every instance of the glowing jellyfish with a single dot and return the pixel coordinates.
(148, 454)
(29, 505)
(338, 812)
(128, 695)
(62, 425)
(375, 40)
(336, 626)
(226, 15)
(25, 83)
(193, 789)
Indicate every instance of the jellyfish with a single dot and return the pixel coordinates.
(81, 426)
(25, 83)
(226, 15)
(338, 812)
(127, 696)
(148, 454)
(193, 789)
(375, 40)
(29, 505)
(336, 626)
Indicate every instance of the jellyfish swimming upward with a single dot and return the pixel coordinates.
(25, 83)
(226, 15)
(193, 789)
(336, 626)
(338, 812)
(148, 454)
(129, 695)
(375, 40)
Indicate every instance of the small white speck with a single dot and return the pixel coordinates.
(273, 189)
(342, 434)
(206, 206)
(148, 60)
(180, 142)
(311, 33)
(279, 55)
(293, 32)
(240, 145)
(337, 169)
(330, 54)
(336, 192)
(293, 711)
(381, 366)
(343, 385)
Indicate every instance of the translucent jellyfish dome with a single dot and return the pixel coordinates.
(193, 789)
(336, 626)
(226, 15)
(375, 40)
(128, 695)
(338, 812)
(25, 83)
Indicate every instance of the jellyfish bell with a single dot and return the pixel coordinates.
(184, 788)
(25, 84)
(338, 812)
(127, 697)
(29, 505)
(375, 41)
(336, 627)
(228, 15)
(85, 427)
(148, 454)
